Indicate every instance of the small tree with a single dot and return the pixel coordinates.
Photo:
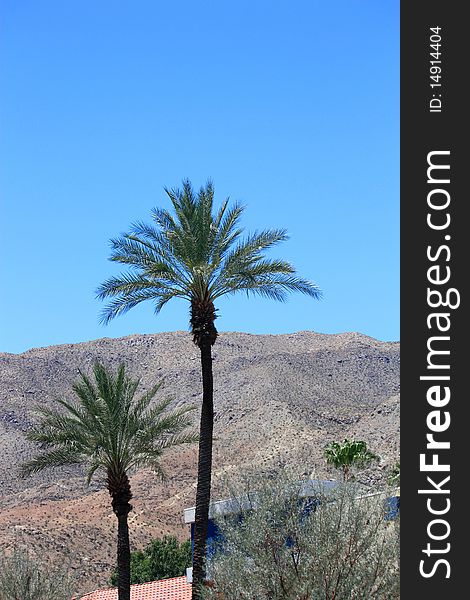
(282, 546)
(161, 559)
(348, 454)
(25, 578)
(109, 430)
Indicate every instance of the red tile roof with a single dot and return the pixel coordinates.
(166, 589)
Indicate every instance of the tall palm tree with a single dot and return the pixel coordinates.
(106, 428)
(197, 253)
(347, 454)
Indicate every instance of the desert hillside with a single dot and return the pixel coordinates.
(279, 399)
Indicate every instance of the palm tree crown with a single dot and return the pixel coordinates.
(197, 254)
(107, 428)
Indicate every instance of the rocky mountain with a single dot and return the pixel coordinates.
(279, 399)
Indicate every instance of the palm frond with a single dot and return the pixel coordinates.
(164, 261)
(54, 458)
(124, 301)
(152, 461)
(227, 231)
(155, 261)
(132, 250)
(180, 236)
(94, 466)
(130, 283)
(269, 278)
(163, 299)
(177, 440)
(252, 248)
(142, 404)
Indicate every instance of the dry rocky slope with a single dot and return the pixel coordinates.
(279, 399)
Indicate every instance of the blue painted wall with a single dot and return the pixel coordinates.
(214, 535)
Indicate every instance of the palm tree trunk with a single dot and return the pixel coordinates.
(119, 488)
(123, 558)
(204, 470)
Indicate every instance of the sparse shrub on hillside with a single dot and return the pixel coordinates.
(161, 559)
(348, 455)
(25, 578)
(394, 476)
(291, 548)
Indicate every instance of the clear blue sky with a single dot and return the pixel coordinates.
(290, 107)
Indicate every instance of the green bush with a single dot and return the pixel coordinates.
(279, 546)
(348, 455)
(161, 559)
(25, 578)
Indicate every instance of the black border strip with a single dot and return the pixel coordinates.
(440, 194)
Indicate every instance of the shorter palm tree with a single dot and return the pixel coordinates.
(107, 429)
(347, 454)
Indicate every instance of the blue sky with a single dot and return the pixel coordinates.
(291, 108)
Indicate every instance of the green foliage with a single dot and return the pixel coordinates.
(196, 253)
(274, 548)
(107, 428)
(25, 578)
(161, 559)
(348, 454)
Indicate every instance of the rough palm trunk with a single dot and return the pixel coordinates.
(123, 559)
(204, 472)
(120, 491)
